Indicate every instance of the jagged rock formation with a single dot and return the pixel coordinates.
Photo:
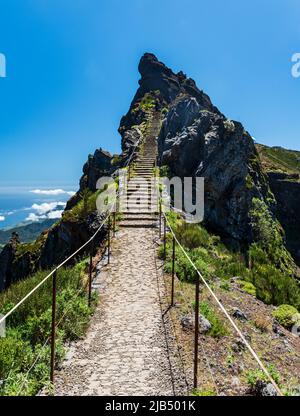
(18, 261)
(196, 139)
(6, 260)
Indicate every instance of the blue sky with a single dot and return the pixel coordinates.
(72, 72)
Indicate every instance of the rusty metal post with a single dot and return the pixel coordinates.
(165, 238)
(173, 273)
(114, 224)
(197, 292)
(160, 218)
(53, 326)
(91, 272)
(108, 241)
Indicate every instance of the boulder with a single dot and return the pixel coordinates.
(188, 323)
(262, 388)
(238, 314)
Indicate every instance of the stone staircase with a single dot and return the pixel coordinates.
(140, 204)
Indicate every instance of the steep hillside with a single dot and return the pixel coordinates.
(79, 222)
(26, 233)
(278, 159)
(195, 139)
(282, 167)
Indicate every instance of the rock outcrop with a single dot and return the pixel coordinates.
(97, 165)
(6, 260)
(196, 139)
(17, 261)
(198, 142)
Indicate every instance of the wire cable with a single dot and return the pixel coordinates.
(253, 353)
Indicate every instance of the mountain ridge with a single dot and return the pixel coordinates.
(195, 139)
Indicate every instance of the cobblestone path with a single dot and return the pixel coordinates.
(125, 351)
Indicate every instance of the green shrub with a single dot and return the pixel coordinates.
(192, 235)
(30, 326)
(218, 329)
(204, 393)
(165, 171)
(248, 287)
(269, 235)
(225, 286)
(14, 353)
(286, 315)
(116, 160)
(274, 287)
(253, 376)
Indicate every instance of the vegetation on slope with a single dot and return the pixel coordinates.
(278, 159)
(29, 327)
(27, 233)
(270, 271)
(238, 287)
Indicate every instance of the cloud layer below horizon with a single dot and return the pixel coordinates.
(52, 192)
(46, 210)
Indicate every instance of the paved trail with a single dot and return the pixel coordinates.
(125, 350)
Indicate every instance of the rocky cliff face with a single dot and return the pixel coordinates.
(77, 225)
(196, 139)
(282, 167)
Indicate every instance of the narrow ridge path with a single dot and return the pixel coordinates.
(125, 351)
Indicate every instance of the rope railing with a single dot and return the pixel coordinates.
(220, 305)
(53, 275)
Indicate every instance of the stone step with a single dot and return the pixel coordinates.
(140, 212)
(133, 207)
(139, 204)
(142, 194)
(137, 217)
(142, 171)
(135, 195)
(138, 224)
(138, 180)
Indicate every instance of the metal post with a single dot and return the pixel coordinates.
(165, 239)
(114, 225)
(197, 291)
(52, 362)
(90, 272)
(108, 242)
(160, 218)
(173, 273)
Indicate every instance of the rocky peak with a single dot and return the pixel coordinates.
(97, 165)
(156, 76)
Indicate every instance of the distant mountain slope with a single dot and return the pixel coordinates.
(278, 159)
(282, 166)
(27, 233)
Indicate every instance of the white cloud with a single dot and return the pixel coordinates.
(2, 218)
(34, 217)
(52, 192)
(55, 214)
(47, 207)
(46, 210)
